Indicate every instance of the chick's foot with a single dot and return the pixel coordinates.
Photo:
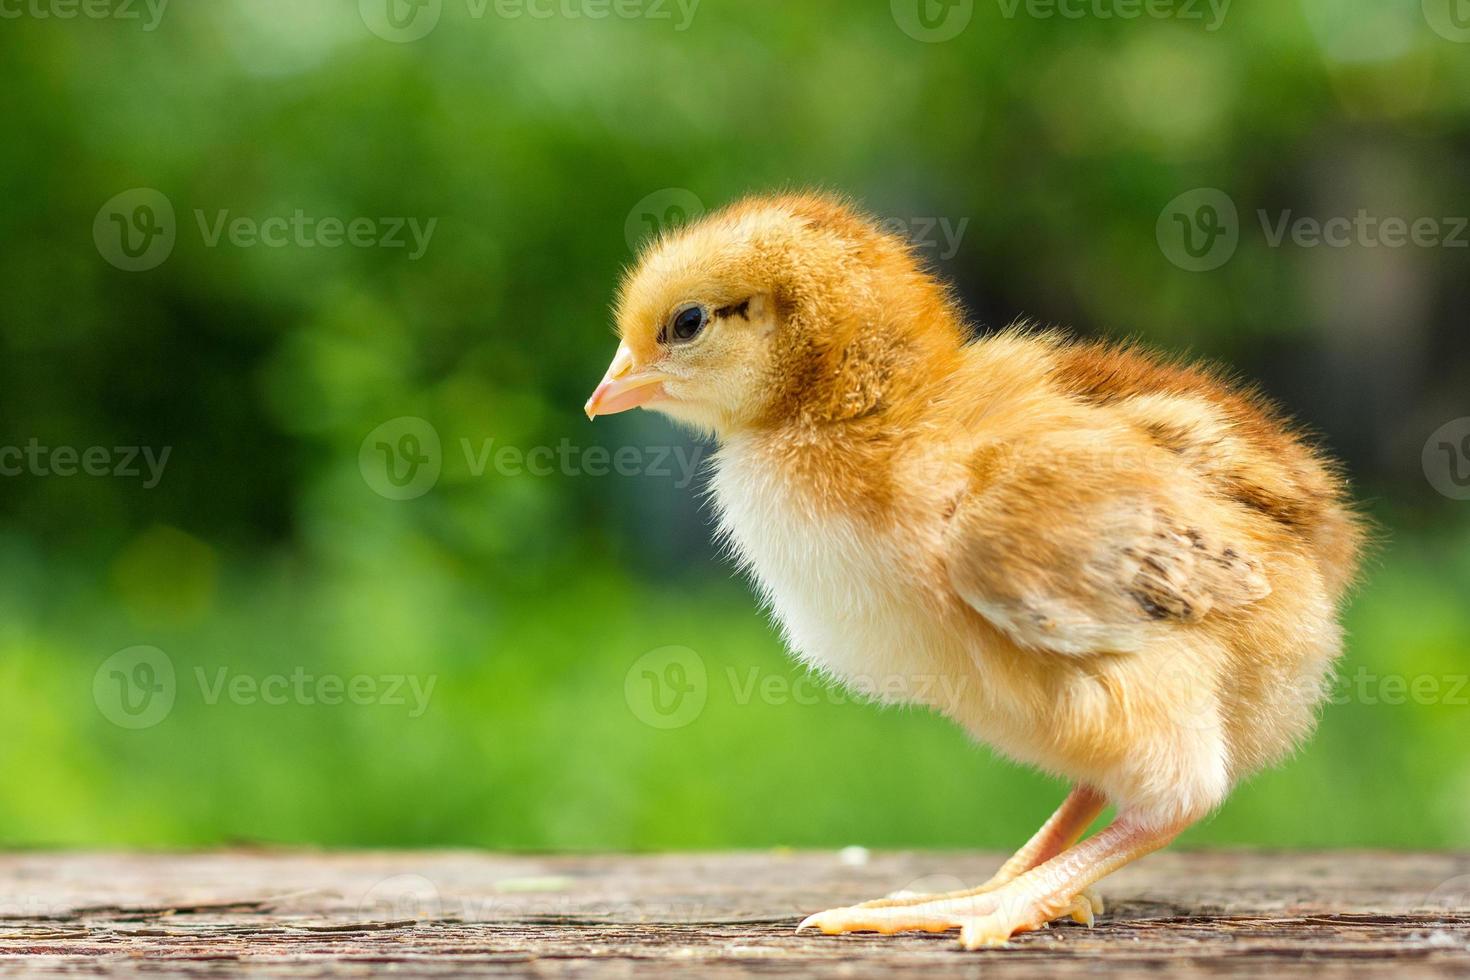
(951, 910)
(1030, 901)
(983, 917)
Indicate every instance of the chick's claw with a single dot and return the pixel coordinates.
(835, 922)
(999, 928)
(938, 915)
(1086, 907)
(989, 931)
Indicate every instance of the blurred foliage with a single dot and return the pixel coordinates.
(1053, 142)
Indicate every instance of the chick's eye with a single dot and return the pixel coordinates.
(687, 323)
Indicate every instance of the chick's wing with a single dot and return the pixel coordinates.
(1094, 558)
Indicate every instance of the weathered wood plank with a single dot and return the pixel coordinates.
(307, 914)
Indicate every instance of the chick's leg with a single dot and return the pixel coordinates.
(1027, 902)
(1060, 832)
(1046, 892)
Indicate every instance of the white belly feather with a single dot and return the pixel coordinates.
(839, 592)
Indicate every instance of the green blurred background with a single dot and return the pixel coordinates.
(1033, 156)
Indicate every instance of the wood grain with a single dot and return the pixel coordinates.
(310, 914)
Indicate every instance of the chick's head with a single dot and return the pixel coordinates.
(771, 308)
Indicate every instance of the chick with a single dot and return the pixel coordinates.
(1129, 569)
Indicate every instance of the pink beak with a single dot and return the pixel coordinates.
(623, 388)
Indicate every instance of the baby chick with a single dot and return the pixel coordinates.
(1130, 570)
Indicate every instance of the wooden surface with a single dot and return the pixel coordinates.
(300, 914)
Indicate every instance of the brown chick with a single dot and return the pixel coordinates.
(1126, 571)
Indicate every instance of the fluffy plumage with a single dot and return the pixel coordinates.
(1129, 568)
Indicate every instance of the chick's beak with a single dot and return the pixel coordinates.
(623, 387)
